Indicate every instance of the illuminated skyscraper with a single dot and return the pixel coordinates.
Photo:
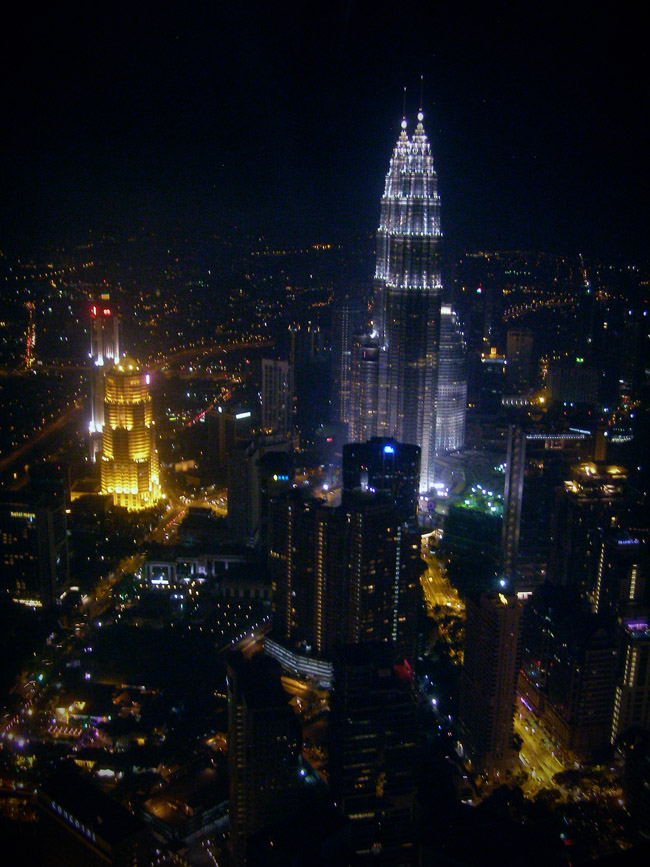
(104, 351)
(513, 493)
(105, 333)
(348, 319)
(451, 389)
(365, 387)
(408, 285)
(129, 465)
(345, 574)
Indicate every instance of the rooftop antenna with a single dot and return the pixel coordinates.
(404, 109)
(420, 112)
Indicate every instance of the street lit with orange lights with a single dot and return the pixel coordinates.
(538, 755)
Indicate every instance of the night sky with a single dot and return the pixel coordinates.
(282, 116)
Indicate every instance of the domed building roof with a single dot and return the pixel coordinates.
(126, 365)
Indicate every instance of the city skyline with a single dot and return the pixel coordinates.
(262, 120)
(351, 564)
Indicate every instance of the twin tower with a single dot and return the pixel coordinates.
(403, 388)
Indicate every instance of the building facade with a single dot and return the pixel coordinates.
(408, 284)
(632, 692)
(129, 463)
(406, 317)
(489, 681)
(264, 742)
(373, 747)
(104, 352)
(451, 387)
(346, 574)
(277, 396)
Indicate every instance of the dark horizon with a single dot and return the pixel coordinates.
(283, 120)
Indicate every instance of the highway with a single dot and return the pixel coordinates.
(55, 426)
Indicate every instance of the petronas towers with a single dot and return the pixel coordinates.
(407, 309)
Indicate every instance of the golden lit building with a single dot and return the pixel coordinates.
(129, 465)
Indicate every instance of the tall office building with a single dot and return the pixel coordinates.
(632, 691)
(588, 503)
(620, 585)
(451, 388)
(519, 353)
(513, 493)
(348, 319)
(373, 754)
(129, 464)
(259, 469)
(386, 467)
(277, 396)
(34, 560)
(489, 680)
(364, 397)
(104, 351)
(264, 741)
(408, 284)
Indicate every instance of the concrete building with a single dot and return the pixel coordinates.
(451, 386)
(632, 691)
(346, 574)
(373, 748)
(489, 681)
(383, 466)
(277, 396)
(264, 742)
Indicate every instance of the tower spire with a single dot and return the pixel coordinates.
(403, 124)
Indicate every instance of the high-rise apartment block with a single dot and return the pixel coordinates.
(346, 574)
(632, 692)
(264, 742)
(364, 397)
(258, 470)
(129, 463)
(489, 680)
(348, 319)
(570, 661)
(588, 503)
(34, 557)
